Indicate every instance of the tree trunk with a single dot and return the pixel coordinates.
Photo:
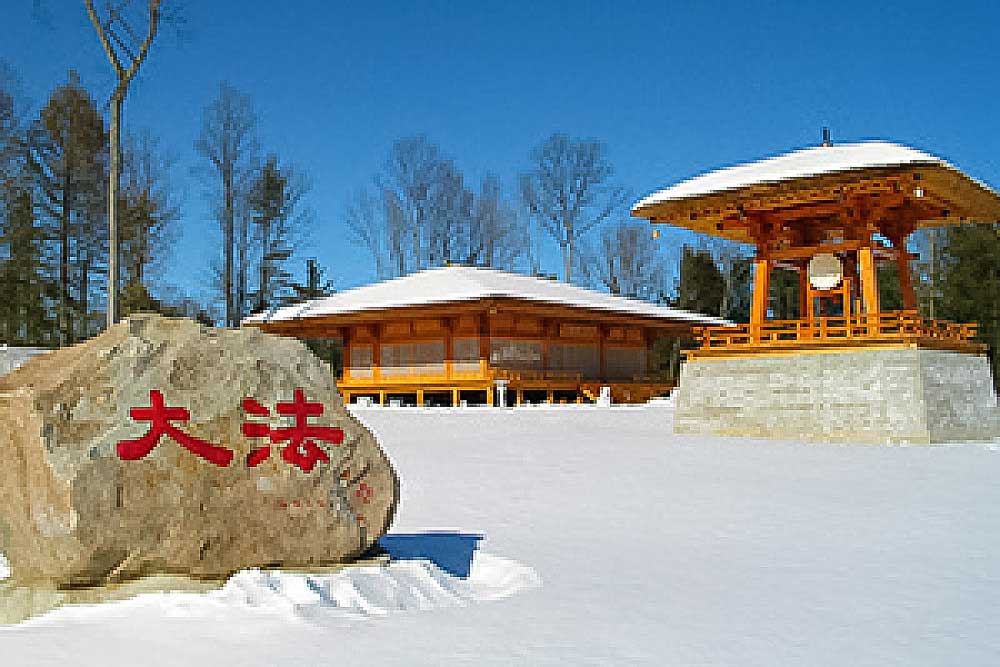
(113, 183)
(241, 273)
(263, 286)
(65, 337)
(84, 320)
(568, 259)
(227, 233)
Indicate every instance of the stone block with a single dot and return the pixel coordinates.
(894, 395)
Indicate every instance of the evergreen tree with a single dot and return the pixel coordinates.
(24, 316)
(275, 198)
(971, 283)
(738, 296)
(890, 294)
(784, 294)
(701, 283)
(68, 158)
(700, 289)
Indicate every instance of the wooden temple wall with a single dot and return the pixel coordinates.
(468, 352)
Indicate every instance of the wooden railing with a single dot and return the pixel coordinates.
(536, 376)
(905, 326)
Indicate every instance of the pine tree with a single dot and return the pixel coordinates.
(971, 283)
(271, 206)
(24, 315)
(701, 283)
(68, 158)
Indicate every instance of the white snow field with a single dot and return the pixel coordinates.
(608, 540)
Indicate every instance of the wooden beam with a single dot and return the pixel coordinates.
(806, 252)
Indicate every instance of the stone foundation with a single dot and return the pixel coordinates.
(894, 395)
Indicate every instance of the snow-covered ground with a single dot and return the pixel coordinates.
(605, 539)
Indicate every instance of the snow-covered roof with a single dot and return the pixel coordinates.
(797, 164)
(464, 283)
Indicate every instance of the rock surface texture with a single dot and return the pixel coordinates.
(89, 495)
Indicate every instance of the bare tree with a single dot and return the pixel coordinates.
(126, 52)
(366, 225)
(498, 235)
(405, 183)
(423, 214)
(625, 261)
(568, 190)
(147, 212)
(227, 141)
(448, 213)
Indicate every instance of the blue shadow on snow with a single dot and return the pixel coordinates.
(450, 551)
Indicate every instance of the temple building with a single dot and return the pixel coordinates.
(459, 334)
(845, 369)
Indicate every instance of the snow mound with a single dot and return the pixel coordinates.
(408, 585)
(355, 592)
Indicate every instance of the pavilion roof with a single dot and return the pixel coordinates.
(818, 174)
(457, 284)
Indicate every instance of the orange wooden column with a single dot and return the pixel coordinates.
(347, 339)
(761, 292)
(602, 365)
(869, 280)
(377, 354)
(449, 348)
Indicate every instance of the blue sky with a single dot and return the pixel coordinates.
(673, 89)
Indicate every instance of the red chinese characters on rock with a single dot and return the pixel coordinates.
(161, 416)
(301, 450)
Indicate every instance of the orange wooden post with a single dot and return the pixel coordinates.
(761, 292)
(377, 354)
(869, 286)
(484, 340)
(602, 366)
(346, 357)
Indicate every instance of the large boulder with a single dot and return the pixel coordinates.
(165, 447)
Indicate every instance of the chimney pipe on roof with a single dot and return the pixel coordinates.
(826, 137)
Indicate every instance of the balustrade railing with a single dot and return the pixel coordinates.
(901, 326)
(536, 375)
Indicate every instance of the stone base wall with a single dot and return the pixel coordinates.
(902, 395)
(13, 357)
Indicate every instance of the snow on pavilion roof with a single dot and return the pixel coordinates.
(462, 284)
(797, 164)
(701, 202)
